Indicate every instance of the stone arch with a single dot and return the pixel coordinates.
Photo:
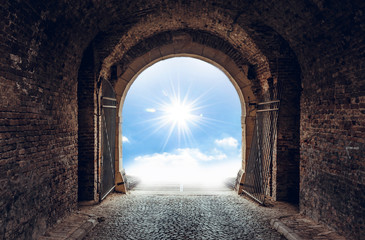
(253, 58)
(214, 29)
(183, 45)
(125, 79)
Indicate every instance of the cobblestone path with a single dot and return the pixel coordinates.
(214, 216)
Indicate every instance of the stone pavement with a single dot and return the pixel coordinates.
(187, 214)
(141, 215)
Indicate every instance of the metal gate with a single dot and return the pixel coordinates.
(108, 126)
(259, 162)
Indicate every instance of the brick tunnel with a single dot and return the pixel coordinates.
(58, 57)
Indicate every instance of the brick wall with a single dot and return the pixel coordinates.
(287, 163)
(87, 132)
(327, 39)
(38, 125)
(285, 70)
(330, 51)
(332, 131)
(41, 48)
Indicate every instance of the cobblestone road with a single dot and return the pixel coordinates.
(223, 215)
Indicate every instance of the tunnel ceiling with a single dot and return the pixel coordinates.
(260, 31)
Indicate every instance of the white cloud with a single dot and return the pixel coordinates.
(125, 139)
(227, 142)
(184, 165)
(150, 110)
(180, 156)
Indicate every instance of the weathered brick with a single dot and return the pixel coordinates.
(53, 52)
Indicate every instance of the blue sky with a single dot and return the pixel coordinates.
(181, 116)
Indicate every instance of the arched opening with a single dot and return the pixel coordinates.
(185, 116)
(125, 80)
(253, 77)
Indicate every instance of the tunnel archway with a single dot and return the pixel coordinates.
(185, 47)
(50, 102)
(254, 68)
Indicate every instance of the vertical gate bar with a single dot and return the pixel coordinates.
(108, 112)
(259, 163)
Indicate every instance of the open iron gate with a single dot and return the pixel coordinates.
(108, 126)
(259, 162)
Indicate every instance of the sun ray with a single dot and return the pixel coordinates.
(177, 111)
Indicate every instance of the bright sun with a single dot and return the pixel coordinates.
(178, 112)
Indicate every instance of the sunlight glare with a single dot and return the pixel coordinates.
(178, 112)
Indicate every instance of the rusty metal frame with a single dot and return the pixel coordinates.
(259, 162)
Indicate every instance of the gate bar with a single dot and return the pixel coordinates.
(268, 110)
(106, 194)
(252, 196)
(263, 103)
(108, 98)
(109, 106)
